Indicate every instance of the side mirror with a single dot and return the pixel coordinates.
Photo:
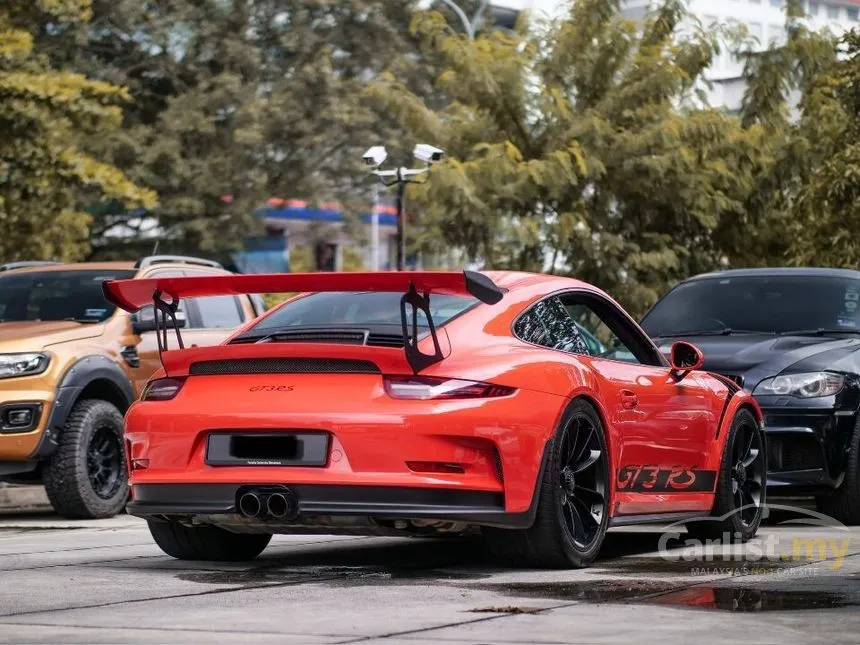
(144, 319)
(685, 357)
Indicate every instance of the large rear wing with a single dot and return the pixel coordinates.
(164, 295)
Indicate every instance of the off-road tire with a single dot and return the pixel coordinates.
(207, 542)
(731, 525)
(843, 504)
(546, 544)
(65, 475)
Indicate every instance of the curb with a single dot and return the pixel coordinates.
(18, 498)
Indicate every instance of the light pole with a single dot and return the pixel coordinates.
(376, 156)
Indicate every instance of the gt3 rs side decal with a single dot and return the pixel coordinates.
(652, 479)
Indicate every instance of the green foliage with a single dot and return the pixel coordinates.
(243, 99)
(580, 149)
(44, 174)
(826, 211)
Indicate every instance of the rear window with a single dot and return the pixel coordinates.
(361, 308)
(57, 295)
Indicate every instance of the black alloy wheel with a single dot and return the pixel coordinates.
(572, 497)
(104, 462)
(740, 496)
(86, 477)
(582, 475)
(747, 471)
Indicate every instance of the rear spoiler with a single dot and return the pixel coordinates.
(416, 286)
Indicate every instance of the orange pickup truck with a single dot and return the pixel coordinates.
(71, 364)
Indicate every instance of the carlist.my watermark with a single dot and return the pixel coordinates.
(823, 543)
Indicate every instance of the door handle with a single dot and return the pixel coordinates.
(628, 399)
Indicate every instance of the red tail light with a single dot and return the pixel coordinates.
(430, 388)
(162, 389)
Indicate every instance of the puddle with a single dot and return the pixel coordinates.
(28, 529)
(586, 591)
(655, 592)
(330, 574)
(742, 599)
(716, 565)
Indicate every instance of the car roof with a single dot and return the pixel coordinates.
(513, 280)
(779, 271)
(76, 266)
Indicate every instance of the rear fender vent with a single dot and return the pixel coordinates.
(283, 366)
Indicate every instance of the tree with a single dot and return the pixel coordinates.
(826, 211)
(236, 101)
(582, 148)
(44, 175)
(789, 94)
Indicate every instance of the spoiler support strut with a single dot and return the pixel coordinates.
(417, 359)
(166, 309)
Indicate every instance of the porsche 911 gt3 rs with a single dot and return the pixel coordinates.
(528, 407)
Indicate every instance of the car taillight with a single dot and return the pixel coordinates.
(426, 388)
(162, 389)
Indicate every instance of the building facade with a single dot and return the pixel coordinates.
(763, 19)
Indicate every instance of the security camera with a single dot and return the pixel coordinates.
(427, 153)
(375, 157)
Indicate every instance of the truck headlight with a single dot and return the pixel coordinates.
(807, 385)
(12, 365)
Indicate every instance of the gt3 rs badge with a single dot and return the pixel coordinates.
(271, 388)
(652, 479)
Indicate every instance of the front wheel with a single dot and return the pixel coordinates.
(207, 542)
(573, 504)
(843, 504)
(739, 500)
(86, 477)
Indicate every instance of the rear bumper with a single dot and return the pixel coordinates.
(381, 502)
(488, 446)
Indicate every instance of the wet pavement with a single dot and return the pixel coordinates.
(106, 582)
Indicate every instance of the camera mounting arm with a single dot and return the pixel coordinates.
(400, 175)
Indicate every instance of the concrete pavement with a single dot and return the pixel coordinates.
(106, 582)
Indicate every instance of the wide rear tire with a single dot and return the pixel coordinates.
(573, 504)
(207, 542)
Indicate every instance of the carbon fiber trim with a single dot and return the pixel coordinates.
(283, 366)
(344, 337)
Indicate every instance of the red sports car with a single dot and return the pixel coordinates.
(529, 407)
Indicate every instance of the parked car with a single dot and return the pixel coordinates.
(423, 403)
(790, 337)
(71, 363)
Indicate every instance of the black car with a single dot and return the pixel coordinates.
(792, 338)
